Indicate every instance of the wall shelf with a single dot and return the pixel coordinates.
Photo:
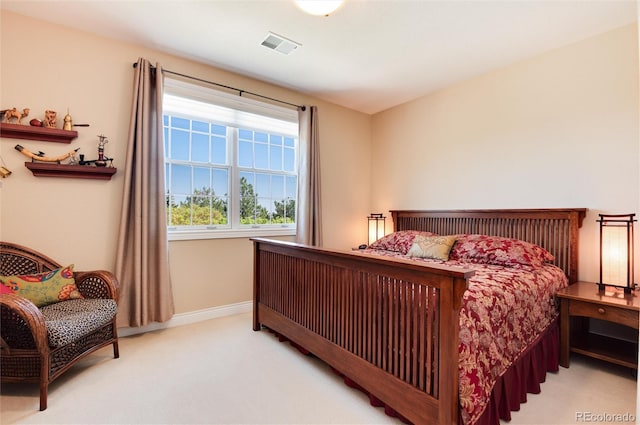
(28, 132)
(47, 169)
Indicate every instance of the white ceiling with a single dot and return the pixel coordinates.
(370, 55)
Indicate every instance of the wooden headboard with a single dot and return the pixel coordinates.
(556, 230)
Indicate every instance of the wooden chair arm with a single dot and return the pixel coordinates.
(97, 284)
(17, 312)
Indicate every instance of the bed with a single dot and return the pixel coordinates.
(402, 329)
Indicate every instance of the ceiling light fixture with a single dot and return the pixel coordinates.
(319, 7)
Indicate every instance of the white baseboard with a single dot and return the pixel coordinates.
(191, 317)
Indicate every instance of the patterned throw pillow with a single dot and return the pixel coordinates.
(44, 288)
(400, 241)
(499, 251)
(5, 290)
(436, 247)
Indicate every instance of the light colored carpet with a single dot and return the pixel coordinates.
(222, 372)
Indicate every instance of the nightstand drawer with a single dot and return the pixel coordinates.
(609, 313)
(583, 301)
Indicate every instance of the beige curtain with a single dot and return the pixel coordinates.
(142, 260)
(309, 217)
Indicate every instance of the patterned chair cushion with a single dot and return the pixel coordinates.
(44, 288)
(68, 321)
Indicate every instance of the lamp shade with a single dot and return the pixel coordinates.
(376, 229)
(319, 7)
(616, 251)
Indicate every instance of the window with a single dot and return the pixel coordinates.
(230, 164)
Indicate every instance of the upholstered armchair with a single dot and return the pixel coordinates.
(51, 316)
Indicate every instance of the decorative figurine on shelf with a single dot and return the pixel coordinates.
(50, 120)
(68, 123)
(72, 158)
(100, 162)
(8, 114)
(4, 171)
(40, 156)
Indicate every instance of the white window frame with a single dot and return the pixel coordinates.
(239, 106)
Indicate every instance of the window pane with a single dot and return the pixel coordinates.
(262, 160)
(219, 130)
(180, 199)
(218, 150)
(276, 140)
(166, 177)
(199, 147)
(219, 211)
(247, 198)
(289, 160)
(276, 158)
(245, 154)
(263, 194)
(220, 199)
(290, 211)
(179, 123)
(180, 179)
(264, 211)
(179, 211)
(220, 182)
(261, 137)
(277, 187)
(201, 180)
(263, 185)
(246, 134)
(200, 126)
(166, 141)
(201, 210)
(291, 186)
(249, 180)
(179, 144)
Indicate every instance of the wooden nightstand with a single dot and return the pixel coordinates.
(581, 301)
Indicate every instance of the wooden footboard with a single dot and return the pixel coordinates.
(390, 325)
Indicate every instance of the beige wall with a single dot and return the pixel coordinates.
(557, 130)
(44, 66)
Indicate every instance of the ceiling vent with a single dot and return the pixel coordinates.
(280, 44)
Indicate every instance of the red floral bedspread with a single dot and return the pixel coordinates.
(504, 310)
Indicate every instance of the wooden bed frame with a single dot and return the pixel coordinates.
(389, 325)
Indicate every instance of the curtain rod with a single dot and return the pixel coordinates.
(240, 91)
